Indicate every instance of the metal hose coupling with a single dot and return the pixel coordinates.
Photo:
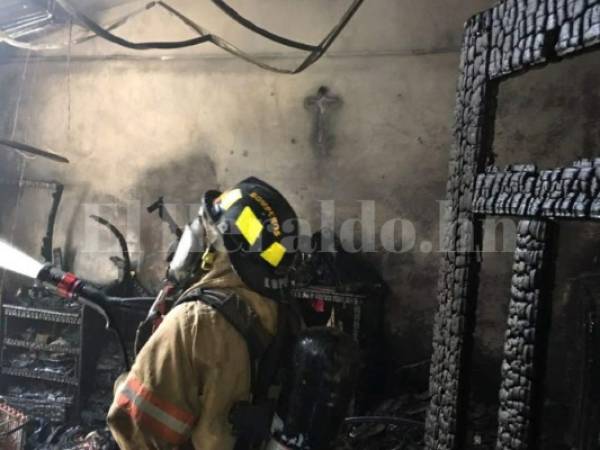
(67, 285)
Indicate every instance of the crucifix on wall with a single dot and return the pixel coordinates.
(323, 104)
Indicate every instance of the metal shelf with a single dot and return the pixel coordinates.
(328, 294)
(55, 410)
(42, 314)
(13, 399)
(32, 374)
(9, 342)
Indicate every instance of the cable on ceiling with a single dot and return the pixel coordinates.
(312, 58)
(232, 13)
(316, 51)
(106, 34)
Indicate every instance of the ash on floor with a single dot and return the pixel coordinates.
(400, 436)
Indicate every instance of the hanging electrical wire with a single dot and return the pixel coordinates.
(312, 58)
(118, 23)
(316, 51)
(232, 13)
(106, 34)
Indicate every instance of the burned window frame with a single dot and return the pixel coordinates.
(504, 41)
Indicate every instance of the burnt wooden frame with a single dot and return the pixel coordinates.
(504, 41)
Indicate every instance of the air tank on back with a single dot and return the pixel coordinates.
(318, 391)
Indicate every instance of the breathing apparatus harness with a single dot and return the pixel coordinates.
(251, 420)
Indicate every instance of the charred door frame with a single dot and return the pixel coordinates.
(504, 41)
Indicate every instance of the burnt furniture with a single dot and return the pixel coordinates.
(504, 41)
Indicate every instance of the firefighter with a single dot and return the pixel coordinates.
(200, 362)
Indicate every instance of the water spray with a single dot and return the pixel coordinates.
(65, 284)
(19, 262)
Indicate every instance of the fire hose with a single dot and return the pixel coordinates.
(70, 287)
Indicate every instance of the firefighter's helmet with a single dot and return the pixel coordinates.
(260, 233)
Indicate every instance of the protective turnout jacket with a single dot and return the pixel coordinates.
(190, 373)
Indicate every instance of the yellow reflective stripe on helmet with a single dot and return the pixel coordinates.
(249, 225)
(229, 198)
(274, 254)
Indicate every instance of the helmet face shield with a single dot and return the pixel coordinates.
(188, 255)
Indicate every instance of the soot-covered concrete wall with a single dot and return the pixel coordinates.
(140, 125)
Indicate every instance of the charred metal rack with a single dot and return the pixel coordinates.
(329, 295)
(504, 41)
(70, 383)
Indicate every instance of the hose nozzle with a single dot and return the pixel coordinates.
(69, 286)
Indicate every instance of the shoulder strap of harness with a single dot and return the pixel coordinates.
(251, 420)
(240, 315)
